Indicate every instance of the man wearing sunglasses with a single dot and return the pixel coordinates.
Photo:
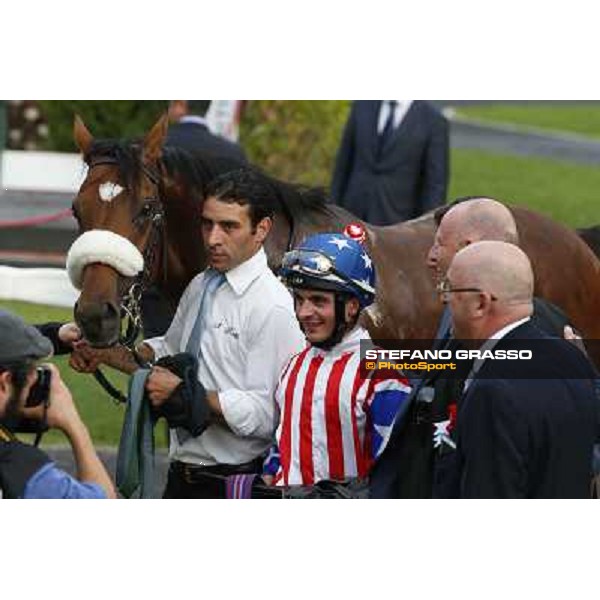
(334, 415)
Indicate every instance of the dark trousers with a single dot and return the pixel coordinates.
(187, 481)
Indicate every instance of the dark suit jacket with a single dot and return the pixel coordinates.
(405, 468)
(528, 438)
(410, 175)
(197, 138)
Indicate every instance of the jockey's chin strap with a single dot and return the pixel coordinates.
(340, 327)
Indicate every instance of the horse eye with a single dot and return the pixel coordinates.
(147, 209)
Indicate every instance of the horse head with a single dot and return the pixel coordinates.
(120, 217)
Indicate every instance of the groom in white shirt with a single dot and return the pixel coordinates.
(243, 331)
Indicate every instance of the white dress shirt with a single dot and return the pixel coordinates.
(489, 345)
(400, 111)
(251, 333)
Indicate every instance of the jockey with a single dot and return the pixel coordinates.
(334, 414)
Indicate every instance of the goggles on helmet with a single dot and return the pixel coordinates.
(317, 264)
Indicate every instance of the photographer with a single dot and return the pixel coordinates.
(26, 471)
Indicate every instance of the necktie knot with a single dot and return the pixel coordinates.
(214, 278)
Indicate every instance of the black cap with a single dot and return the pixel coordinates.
(19, 341)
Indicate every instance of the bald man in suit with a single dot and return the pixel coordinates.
(524, 429)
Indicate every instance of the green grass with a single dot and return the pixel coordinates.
(103, 417)
(567, 192)
(582, 118)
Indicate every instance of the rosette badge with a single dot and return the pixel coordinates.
(356, 231)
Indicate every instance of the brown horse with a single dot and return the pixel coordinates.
(158, 206)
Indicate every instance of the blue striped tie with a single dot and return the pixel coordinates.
(212, 281)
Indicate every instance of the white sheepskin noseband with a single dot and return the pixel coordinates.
(106, 247)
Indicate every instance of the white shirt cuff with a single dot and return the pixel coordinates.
(247, 413)
(159, 346)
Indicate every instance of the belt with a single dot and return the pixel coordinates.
(191, 473)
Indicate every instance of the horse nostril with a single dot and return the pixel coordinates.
(98, 321)
(110, 311)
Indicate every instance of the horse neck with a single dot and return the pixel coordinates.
(329, 218)
(185, 256)
(286, 235)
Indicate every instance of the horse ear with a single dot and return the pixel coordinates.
(154, 139)
(83, 138)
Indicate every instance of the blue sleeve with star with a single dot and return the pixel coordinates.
(388, 399)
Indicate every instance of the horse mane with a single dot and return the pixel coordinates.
(197, 169)
(297, 200)
(126, 155)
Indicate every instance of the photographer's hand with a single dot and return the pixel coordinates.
(62, 414)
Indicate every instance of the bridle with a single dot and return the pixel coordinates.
(130, 307)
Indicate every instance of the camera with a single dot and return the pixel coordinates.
(39, 392)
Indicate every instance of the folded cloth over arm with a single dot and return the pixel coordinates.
(186, 408)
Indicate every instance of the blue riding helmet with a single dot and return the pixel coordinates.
(333, 262)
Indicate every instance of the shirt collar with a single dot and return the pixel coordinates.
(489, 345)
(240, 277)
(194, 119)
(507, 329)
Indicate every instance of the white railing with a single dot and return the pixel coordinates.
(41, 286)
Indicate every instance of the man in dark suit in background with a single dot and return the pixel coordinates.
(526, 428)
(392, 164)
(189, 130)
